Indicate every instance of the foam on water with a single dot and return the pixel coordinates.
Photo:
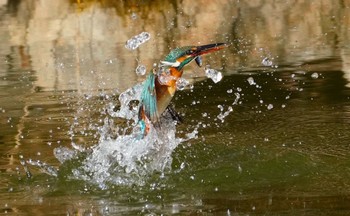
(128, 159)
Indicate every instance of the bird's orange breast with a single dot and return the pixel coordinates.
(165, 92)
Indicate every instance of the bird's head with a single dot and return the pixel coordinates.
(180, 57)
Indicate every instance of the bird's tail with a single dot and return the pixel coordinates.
(144, 122)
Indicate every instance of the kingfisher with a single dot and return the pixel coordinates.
(160, 85)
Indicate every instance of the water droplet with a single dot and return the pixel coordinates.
(182, 166)
(164, 79)
(314, 75)
(239, 168)
(270, 106)
(141, 70)
(214, 75)
(266, 62)
(221, 107)
(134, 42)
(181, 83)
(133, 16)
(175, 209)
(229, 91)
(251, 81)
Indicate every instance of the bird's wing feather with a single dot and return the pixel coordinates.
(149, 98)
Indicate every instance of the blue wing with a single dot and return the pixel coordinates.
(149, 98)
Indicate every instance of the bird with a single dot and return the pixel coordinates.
(160, 85)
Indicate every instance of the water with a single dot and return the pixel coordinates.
(262, 158)
(314, 75)
(134, 42)
(266, 62)
(251, 81)
(264, 140)
(181, 83)
(141, 70)
(213, 74)
(127, 159)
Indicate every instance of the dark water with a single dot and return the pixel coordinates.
(272, 140)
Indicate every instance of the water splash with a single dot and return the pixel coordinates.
(222, 115)
(123, 158)
(126, 111)
(213, 74)
(181, 84)
(164, 79)
(126, 159)
(46, 168)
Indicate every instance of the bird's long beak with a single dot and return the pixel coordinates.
(201, 50)
(194, 53)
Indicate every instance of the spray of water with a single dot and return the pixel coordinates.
(125, 159)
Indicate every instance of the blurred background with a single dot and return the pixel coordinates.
(63, 41)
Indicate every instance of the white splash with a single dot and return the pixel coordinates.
(222, 115)
(181, 83)
(127, 159)
(164, 78)
(213, 74)
(125, 111)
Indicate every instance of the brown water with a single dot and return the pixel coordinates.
(282, 150)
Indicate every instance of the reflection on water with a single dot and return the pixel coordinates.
(272, 134)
